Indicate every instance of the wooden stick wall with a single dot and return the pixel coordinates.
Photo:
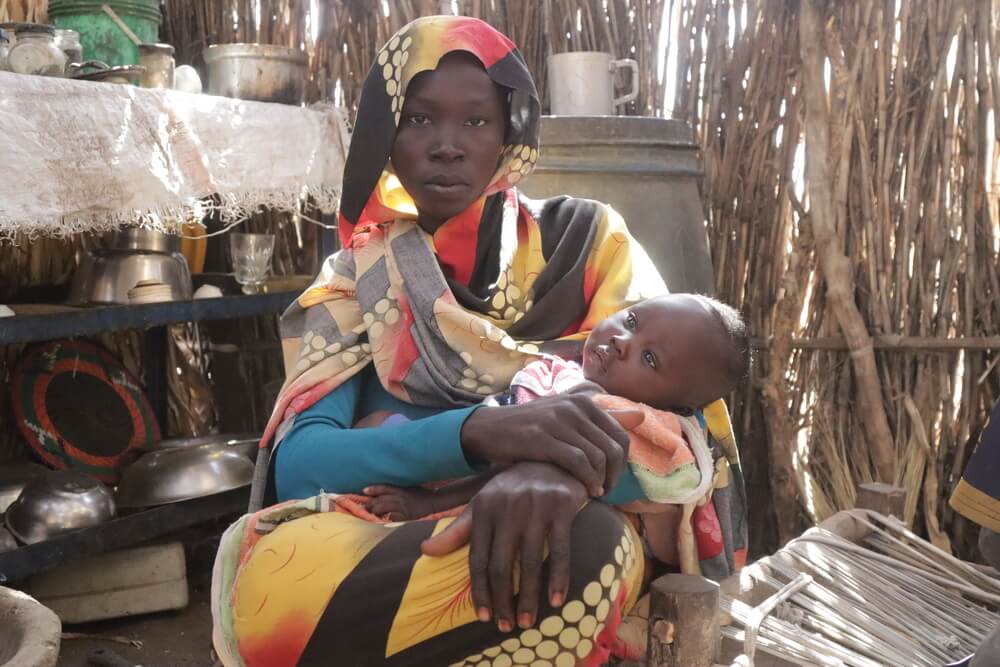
(851, 192)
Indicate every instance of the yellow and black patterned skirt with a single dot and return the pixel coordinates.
(318, 583)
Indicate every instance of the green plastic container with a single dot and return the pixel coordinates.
(102, 38)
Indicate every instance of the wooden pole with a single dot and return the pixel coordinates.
(683, 622)
(834, 264)
(882, 498)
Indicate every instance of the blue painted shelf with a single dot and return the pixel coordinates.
(38, 323)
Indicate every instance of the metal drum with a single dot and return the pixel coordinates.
(647, 169)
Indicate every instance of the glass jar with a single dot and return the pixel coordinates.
(4, 48)
(35, 51)
(158, 59)
(68, 42)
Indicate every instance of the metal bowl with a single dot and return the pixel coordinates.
(177, 474)
(58, 502)
(106, 276)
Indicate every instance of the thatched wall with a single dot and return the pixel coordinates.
(866, 210)
(851, 202)
(350, 32)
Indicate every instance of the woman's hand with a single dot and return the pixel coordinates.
(568, 431)
(516, 513)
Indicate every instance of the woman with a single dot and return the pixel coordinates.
(448, 283)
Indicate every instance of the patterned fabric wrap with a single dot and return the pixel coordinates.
(449, 318)
(282, 597)
(674, 463)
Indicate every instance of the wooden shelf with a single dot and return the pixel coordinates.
(48, 322)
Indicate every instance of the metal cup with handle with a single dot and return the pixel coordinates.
(582, 83)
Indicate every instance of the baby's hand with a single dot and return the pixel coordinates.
(398, 504)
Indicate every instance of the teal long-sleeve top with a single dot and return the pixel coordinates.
(321, 452)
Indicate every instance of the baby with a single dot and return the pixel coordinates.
(672, 354)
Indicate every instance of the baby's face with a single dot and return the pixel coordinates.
(657, 352)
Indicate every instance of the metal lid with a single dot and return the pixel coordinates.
(165, 49)
(27, 28)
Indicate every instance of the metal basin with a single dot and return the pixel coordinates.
(106, 276)
(259, 72)
(177, 474)
(58, 502)
(245, 443)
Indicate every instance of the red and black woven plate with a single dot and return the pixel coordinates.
(79, 408)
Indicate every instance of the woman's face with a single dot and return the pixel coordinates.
(450, 134)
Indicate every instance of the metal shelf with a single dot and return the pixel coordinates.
(31, 325)
(119, 533)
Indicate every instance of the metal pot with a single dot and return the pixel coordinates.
(60, 501)
(258, 72)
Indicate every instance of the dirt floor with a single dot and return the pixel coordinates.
(168, 639)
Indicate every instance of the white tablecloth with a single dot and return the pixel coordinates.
(78, 156)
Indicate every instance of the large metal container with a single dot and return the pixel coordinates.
(648, 170)
(258, 72)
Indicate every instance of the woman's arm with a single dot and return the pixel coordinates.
(322, 453)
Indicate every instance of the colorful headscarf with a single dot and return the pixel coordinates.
(416, 48)
(449, 318)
